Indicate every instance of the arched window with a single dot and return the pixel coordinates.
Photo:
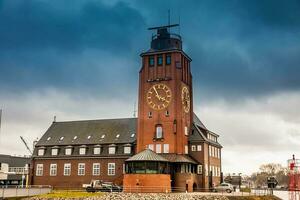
(159, 132)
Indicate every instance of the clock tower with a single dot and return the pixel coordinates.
(165, 109)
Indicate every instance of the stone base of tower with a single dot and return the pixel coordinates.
(147, 183)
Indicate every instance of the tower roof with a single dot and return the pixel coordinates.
(147, 155)
(164, 40)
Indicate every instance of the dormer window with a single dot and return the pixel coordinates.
(132, 135)
(41, 151)
(75, 137)
(159, 132)
(82, 150)
(68, 151)
(54, 151)
(103, 136)
(49, 138)
(112, 149)
(61, 138)
(127, 149)
(97, 150)
(117, 136)
(89, 137)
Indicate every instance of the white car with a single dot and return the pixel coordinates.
(224, 187)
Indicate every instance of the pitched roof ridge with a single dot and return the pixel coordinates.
(91, 120)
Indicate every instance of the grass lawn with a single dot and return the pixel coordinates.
(254, 198)
(69, 194)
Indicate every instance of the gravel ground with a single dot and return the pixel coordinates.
(148, 196)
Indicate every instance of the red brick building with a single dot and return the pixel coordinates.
(166, 143)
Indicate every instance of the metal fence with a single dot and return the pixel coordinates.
(10, 191)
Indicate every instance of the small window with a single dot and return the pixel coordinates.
(96, 169)
(117, 136)
(159, 133)
(61, 138)
(81, 169)
(54, 152)
(150, 114)
(75, 137)
(186, 149)
(41, 152)
(53, 169)
(159, 60)
(186, 130)
(111, 150)
(150, 146)
(166, 148)
(82, 151)
(151, 61)
(193, 147)
(199, 147)
(49, 138)
(67, 169)
(168, 59)
(178, 64)
(167, 113)
(132, 135)
(158, 148)
(68, 151)
(127, 150)
(103, 136)
(111, 169)
(89, 137)
(39, 169)
(97, 150)
(199, 169)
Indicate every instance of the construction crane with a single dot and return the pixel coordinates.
(25, 143)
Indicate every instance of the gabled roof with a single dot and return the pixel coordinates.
(147, 155)
(14, 161)
(198, 122)
(106, 131)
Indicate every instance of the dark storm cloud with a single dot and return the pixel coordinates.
(67, 45)
(239, 48)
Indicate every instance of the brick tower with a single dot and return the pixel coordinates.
(165, 111)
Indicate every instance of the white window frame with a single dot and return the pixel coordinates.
(82, 150)
(186, 130)
(206, 170)
(158, 148)
(67, 169)
(111, 169)
(166, 148)
(81, 169)
(97, 150)
(112, 150)
(54, 151)
(68, 151)
(199, 169)
(193, 147)
(127, 149)
(199, 147)
(96, 169)
(39, 170)
(53, 169)
(186, 149)
(159, 132)
(150, 146)
(41, 152)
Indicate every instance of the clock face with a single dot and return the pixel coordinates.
(159, 96)
(186, 100)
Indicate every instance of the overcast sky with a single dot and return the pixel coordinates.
(80, 60)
